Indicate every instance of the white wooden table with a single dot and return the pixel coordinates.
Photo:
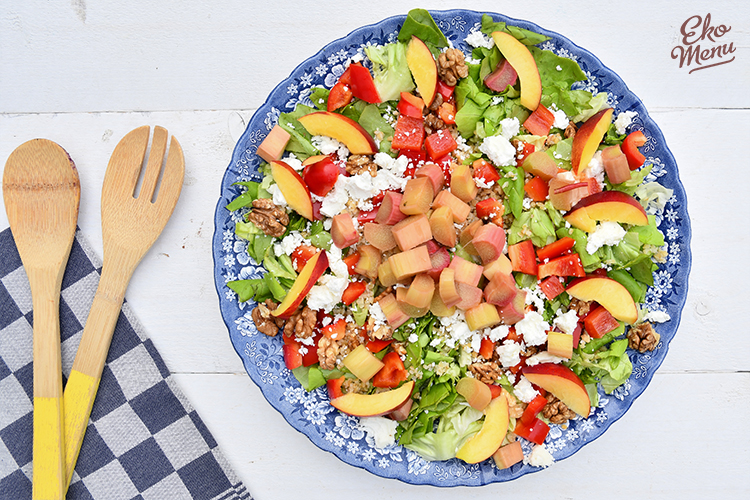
(84, 73)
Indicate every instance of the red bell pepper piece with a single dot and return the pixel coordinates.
(535, 431)
(392, 373)
(486, 348)
(310, 354)
(537, 189)
(485, 170)
(495, 390)
(532, 409)
(353, 291)
(523, 258)
(410, 105)
(375, 346)
(340, 96)
(362, 84)
(368, 216)
(335, 330)
(555, 248)
(540, 121)
(301, 255)
(513, 335)
(292, 356)
(409, 133)
(334, 387)
(491, 209)
(447, 113)
(526, 150)
(439, 144)
(630, 146)
(351, 261)
(599, 322)
(444, 162)
(565, 265)
(551, 287)
(445, 90)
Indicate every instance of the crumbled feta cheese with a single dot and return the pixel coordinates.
(380, 429)
(595, 169)
(335, 201)
(606, 233)
(567, 322)
(533, 328)
(524, 391)
(624, 120)
(360, 186)
(377, 314)
(497, 99)
(482, 183)
(478, 39)
(543, 357)
(561, 119)
(293, 162)
(657, 316)
(336, 263)
(413, 338)
(287, 245)
(499, 150)
(509, 353)
(278, 196)
(328, 145)
(327, 293)
(536, 297)
(539, 457)
(558, 67)
(499, 332)
(510, 127)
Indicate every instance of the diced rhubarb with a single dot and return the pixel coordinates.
(393, 313)
(489, 242)
(274, 144)
(439, 144)
(385, 274)
(564, 193)
(440, 260)
(467, 234)
(412, 231)
(432, 246)
(565, 265)
(508, 455)
(560, 344)
(540, 121)
(499, 265)
(409, 133)
(418, 195)
(470, 295)
(523, 258)
(540, 164)
(482, 316)
(410, 309)
(419, 293)
(615, 164)
(343, 232)
(599, 322)
(410, 262)
(362, 363)
(369, 260)
(630, 146)
(380, 236)
(447, 287)
(466, 272)
(551, 286)
(500, 290)
(462, 183)
(390, 209)
(503, 76)
(490, 210)
(459, 209)
(441, 225)
(513, 311)
(434, 173)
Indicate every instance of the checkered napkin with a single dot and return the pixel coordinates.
(144, 439)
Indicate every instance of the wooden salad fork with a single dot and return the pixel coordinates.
(42, 194)
(131, 223)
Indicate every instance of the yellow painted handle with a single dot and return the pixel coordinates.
(48, 468)
(80, 392)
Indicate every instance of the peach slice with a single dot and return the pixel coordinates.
(466, 272)
(362, 363)
(459, 209)
(447, 287)
(462, 183)
(373, 405)
(540, 164)
(402, 412)
(274, 144)
(378, 235)
(390, 209)
(418, 195)
(560, 344)
(523, 62)
(343, 233)
(293, 188)
(482, 316)
(393, 313)
(410, 262)
(489, 241)
(476, 392)
(508, 455)
(369, 260)
(341, 128)
(313, 269)
(412, 231)
(441, 225)
(313, 159)
(588, 137)
(562, 382)
(484, 443)
(423, 69)
(614, 206)
(500, 265)
(610, 294)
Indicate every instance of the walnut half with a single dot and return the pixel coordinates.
(452, 67)
(272, 220)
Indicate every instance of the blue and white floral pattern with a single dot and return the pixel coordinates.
(311, 413)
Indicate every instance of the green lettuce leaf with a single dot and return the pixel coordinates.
(420, 23)
(453, 430)
(391, 73)
(524, 36)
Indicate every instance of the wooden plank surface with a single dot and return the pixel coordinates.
(83, 74)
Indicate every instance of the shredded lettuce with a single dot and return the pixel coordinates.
(392, 75)
(611, 367)
(453, 430)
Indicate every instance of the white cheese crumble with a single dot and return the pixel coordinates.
(533, 328)
(327, 293)
(595, 169)
(328, 145)
(499, 332)
(606, 233)
(561, 119)
(539, 457)
(377, 314)
(278, 196)
(335, 201)
(510, 353)
(567, 322)
(624, 120)
(293, 162)
(478, 39)
(657, 316)
(510, 127)
(287, 245)
(543, 357)
(524, 391)
(382, 430)
(336, 263)
(499, 150)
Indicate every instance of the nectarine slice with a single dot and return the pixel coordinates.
(614, 206)
(293, 188)
(523, 62)
(314, 269)
(588, 137)
(373, 405)
(562, 382)
(341, 128)
(484, 443)
(610, 294)
(423, 69)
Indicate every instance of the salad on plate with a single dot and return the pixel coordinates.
(456, 245)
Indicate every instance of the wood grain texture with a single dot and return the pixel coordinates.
(202, 69)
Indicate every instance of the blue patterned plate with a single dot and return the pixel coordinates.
(311, 413)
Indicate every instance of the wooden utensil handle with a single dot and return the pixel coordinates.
(80, 391)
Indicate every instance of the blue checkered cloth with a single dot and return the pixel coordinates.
(144, 439)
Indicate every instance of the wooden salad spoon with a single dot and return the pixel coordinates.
(131, 223)
(42, 193)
